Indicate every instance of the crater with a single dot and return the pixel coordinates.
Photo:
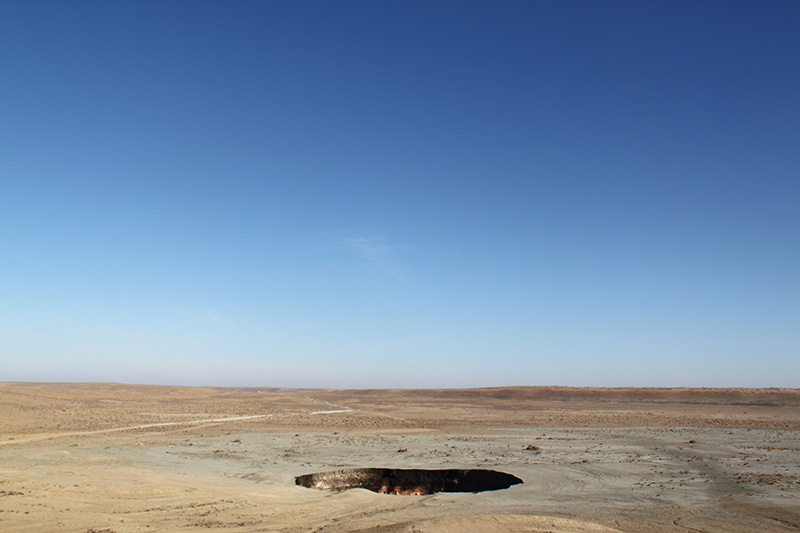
(409, 481)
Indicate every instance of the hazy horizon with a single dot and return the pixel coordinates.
(400, 194)
(262, 388)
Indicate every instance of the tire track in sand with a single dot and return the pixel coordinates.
(46, 436)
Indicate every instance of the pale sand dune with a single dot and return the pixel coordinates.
(108, 457)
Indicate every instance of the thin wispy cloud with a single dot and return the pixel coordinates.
(371, 252)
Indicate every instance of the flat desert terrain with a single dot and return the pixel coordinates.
(100, 457)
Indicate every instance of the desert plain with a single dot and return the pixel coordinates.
(103, 457)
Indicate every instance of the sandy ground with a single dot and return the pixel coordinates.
(119, 458)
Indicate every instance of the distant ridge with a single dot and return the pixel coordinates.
(772, 396)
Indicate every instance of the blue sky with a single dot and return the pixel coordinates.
(400, 194)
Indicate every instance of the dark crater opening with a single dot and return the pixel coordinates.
(400, 481)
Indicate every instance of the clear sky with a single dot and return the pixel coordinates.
(400, 194)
